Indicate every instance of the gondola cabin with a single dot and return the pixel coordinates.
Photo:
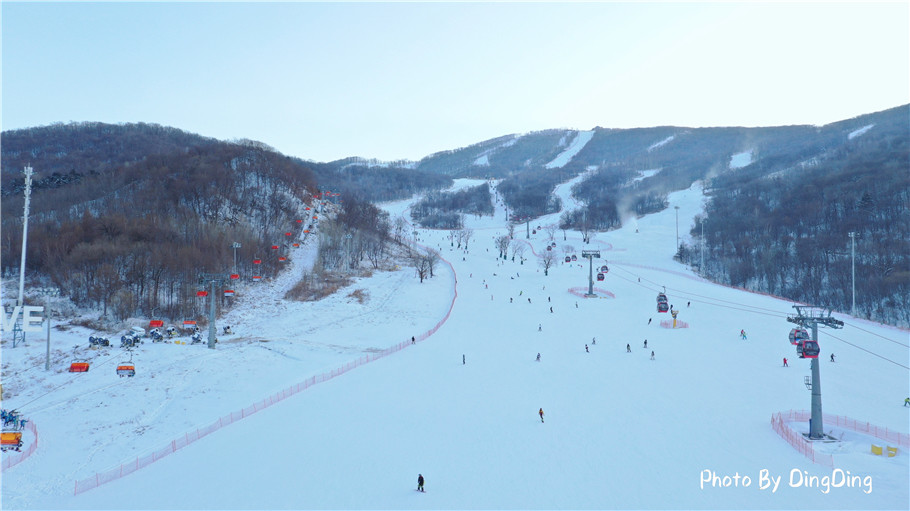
(126, 369)
(600, 276)
(604, 269)
(663, 307)
(568, 259)
(574, 257)
(808, 349)
(549, 248)
(661, 298)
(797, 335)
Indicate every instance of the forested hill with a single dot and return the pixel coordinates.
(782, 200)
(126, 217)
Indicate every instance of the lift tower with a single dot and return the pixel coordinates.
(809, 316)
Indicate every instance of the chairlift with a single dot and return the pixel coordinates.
(127, 368)
(78, 365)
(797, 335)
(600, 276)
(11, 440)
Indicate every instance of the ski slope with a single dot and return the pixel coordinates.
(622, 431)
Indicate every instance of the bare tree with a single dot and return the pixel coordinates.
(551, 231)
(421, 266)
(518, 249)
(432, 258)
(511, 228)
(547, 260)
(465, 235)
(502, 244)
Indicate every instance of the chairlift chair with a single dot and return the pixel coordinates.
(78, 365)
(127, 368)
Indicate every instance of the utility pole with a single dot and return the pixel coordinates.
(677, 228)
(812, 316)
(28, 194)
(702, 265)
(47, 317)
(217, 280)
(590, 254)
(852, 235)
(235, 246)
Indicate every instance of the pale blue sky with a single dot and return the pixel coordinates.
(402, 80)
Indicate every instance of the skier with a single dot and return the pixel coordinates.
(539, 327)
(688, 304)
(593, 340)
(652, 354)
(510, 299)
(538, 357)
(586, 349)
(649, 320)
(413, 340)
(742, 334)
(551, 310)
(628, 349)
(785, 362)
(646, 344)
(462, 360)
(420, 482)
(529, 300)
(907, 402)
(832, 357)
(548, 299)
(541, 414)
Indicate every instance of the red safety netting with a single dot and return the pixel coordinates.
(186, 439)
(779, 422)
(12, 460)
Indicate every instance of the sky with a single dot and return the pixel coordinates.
(323, 81)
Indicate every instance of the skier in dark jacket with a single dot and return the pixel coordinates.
(420, 482)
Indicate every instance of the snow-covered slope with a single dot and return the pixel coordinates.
(578, 143)
(621, 431)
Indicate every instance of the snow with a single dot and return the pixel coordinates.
(740, 160)
(643, 174)
(854, 134)
(662, 142)
(578, 143)
(621, 431)
(482, 161)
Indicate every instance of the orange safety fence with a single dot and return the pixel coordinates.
(11, 460)
(186, 439)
